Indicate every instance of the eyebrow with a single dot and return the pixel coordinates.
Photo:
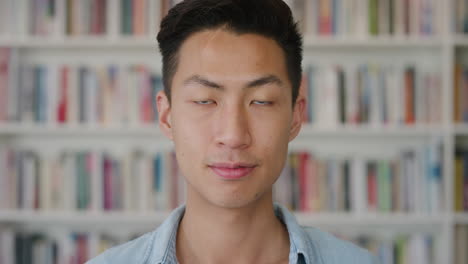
(269, 79)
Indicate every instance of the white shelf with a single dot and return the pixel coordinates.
(372, 42)
(153, 130)
(377, 219)
(151, 42)
(81, 218)
(77, 130)
(461, 129)
(373, 131)
(461, 218)
(461, 40)
(80, 42)
(152, 218)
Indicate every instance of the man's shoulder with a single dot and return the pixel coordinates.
(135, 251)
(334, 250)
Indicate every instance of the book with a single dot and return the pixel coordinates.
(461, 179)
(85, 17)
(4, 83)
(372, 94)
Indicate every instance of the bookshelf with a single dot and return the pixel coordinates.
(349, 48)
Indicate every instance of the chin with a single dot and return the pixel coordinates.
(235, 202)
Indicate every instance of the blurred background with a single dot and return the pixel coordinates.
(380, 161)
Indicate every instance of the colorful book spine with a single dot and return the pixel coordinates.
(89, 181)
(372, 94)
(87, 95)
(4, 83)
(87, 17)
(309, 183)
(369, 18)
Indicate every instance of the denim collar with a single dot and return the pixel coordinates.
(163, 249)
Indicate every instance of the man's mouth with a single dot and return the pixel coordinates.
(232, 171)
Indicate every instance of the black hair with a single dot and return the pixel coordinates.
(269, 18)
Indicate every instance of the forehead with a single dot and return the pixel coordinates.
(226, 55)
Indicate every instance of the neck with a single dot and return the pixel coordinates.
(212, 234)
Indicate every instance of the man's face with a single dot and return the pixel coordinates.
(231, 116)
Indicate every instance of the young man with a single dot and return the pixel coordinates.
(232, 71)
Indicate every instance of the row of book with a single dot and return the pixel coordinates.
(413, 248)
(21, 247)
(372, 94)
(367, 17)
(461, 244)
(461, 180)
(410, 182)
(114, 95)
(82, 17)
(317, 17)
(67, 94)
(140, 181)
(53, 17)
(90, 180)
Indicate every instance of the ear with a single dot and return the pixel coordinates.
(164, 113)
(298, 117)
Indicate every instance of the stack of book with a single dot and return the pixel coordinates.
(67, 94)
(367, 17)
(134, 20)
(83, 17)
(372, 94)
(90, 180)
(44, 19)
(411, 182)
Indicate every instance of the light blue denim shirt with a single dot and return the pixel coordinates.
(307, 245)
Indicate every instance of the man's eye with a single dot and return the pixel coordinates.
(204, 102)
(257, 102)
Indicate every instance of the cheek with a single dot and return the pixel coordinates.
(272, 142)
(191, 138)
(272, 131)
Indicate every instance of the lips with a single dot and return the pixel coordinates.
(232, 171)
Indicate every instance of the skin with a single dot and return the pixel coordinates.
(231, 104)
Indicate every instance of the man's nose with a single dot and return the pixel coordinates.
(233, 129)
